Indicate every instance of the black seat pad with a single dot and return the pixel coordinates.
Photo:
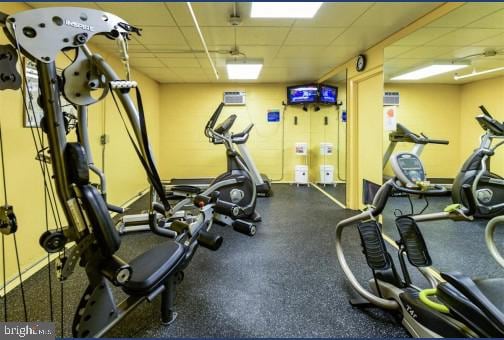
(466, 311)
(151, 268)
(494, 290)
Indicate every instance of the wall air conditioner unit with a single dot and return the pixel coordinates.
(235, 98)
(391, 98)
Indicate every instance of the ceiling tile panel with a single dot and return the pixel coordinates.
(361, 36)
(335, 14)
(495, 41)
(146, 14)
(212, 35)
(289, 52)
(310, 36)
(395, 15)
(207, 13)
(162, 36)
(495, 20)
(394, 51)
(423, 36)
(145, 62)
(466, 14)
(464, 36)
(260, 35)
(180, 62)
(425, 52)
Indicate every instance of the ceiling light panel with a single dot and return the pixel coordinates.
(429, 71)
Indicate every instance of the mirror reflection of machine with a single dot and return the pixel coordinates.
(488, 187)
(407, 166)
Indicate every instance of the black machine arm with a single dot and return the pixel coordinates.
(403, 134)
(488, 122)
(213, 120)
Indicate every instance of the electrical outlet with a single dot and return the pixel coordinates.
(104, 139)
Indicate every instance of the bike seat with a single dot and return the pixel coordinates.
(152, 268)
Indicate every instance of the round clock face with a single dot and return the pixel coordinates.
(361, 62)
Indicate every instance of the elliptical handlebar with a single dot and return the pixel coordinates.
(485, 111)
(403, 134)
(490, 240)
(213, 120)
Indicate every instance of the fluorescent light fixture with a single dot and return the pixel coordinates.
(429, 71)
(284, 9)
(474, 73)
(244, 69)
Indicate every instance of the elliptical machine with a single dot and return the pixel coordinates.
(403, 172)
(236, 191)
(455, 305)
(262, 182)
(487, 187)
(236, 185)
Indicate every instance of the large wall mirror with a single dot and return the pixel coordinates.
(436, 79)
(328, 142)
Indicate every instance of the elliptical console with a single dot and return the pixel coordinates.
(408, 169)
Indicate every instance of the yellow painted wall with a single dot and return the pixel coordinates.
(24, 181)
(368, 114)
(185, 109)
(433, 109)
(334, 132)
(490, 93)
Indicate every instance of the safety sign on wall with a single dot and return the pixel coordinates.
(390, 118)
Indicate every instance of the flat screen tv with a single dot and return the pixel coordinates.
(302, 94)
(328, 94)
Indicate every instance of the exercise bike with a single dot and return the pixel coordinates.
(463, 307)
(487, 187)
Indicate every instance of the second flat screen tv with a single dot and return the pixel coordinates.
(328, 94)
(302, 94)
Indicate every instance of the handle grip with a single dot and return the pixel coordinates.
(226, 208)
(438, 141)
(115, 208)
(209, 241)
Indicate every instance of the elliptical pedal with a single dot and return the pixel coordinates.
(373, 245)
(413, 242)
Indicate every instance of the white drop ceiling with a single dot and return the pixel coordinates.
(470, 29)
(170, 51)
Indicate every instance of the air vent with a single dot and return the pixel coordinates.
(391, 98)
(234, 98)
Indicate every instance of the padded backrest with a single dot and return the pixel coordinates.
(94, 205)
(76, 162)
(106, 234)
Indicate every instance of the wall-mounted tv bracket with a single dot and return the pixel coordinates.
(10, 79)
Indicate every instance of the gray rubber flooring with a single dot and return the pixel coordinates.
(338, 191)
(283, 282)
(453, 246)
